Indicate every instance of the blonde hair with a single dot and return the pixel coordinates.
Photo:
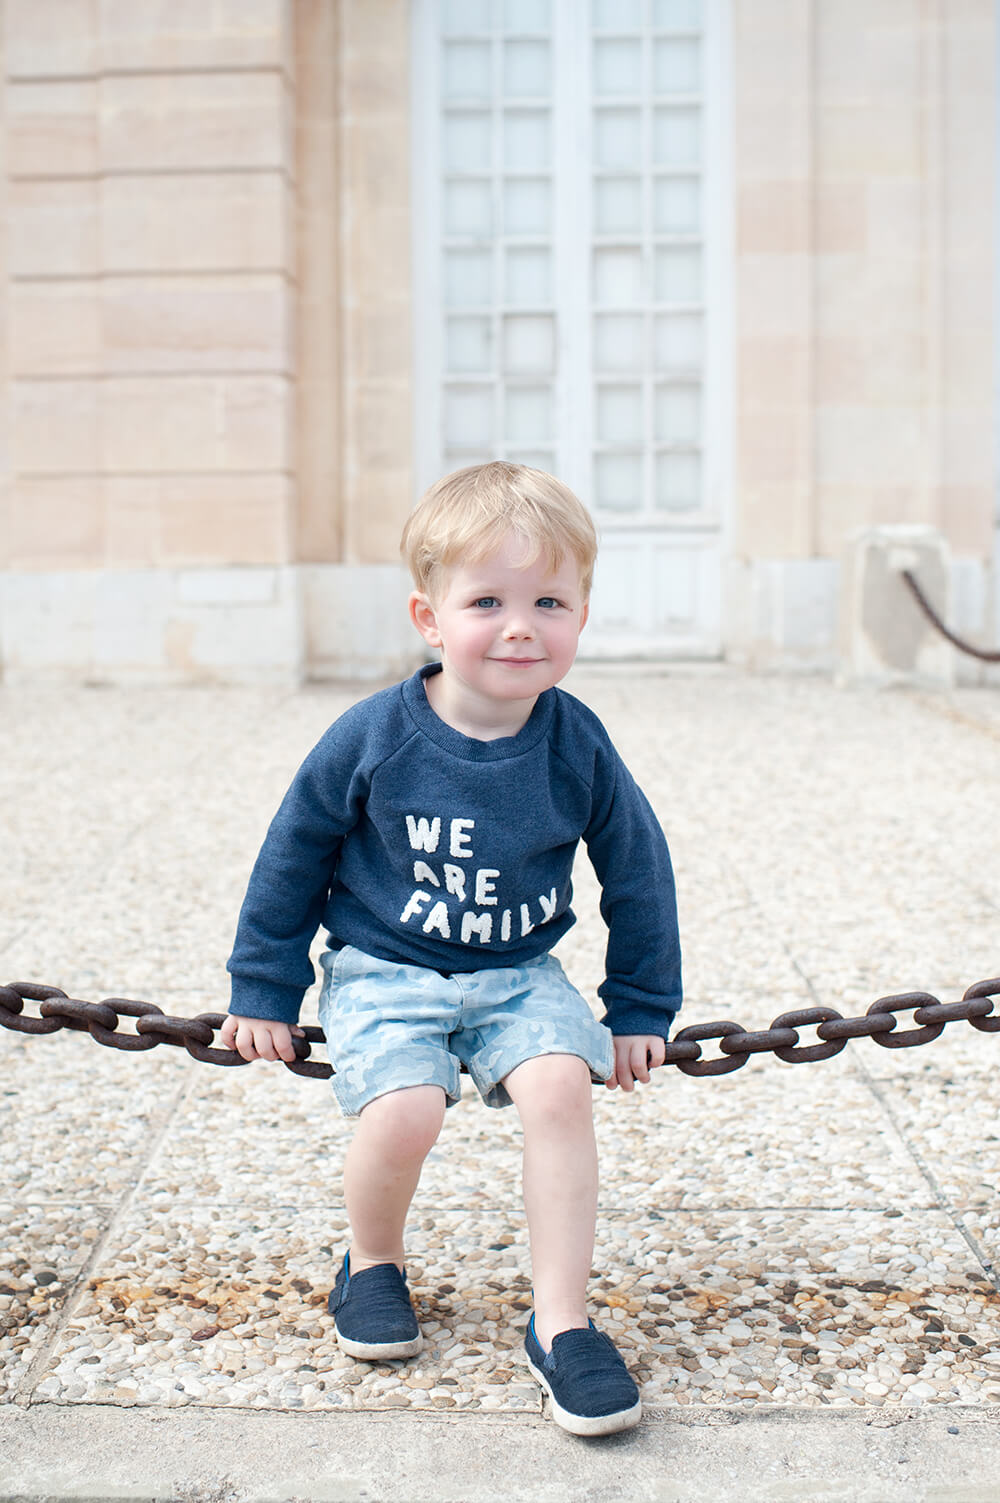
(468, 514)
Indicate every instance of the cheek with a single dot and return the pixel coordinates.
(469, 638)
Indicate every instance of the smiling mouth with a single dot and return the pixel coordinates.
(518, 662)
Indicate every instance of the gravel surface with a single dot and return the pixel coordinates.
(822, 1235)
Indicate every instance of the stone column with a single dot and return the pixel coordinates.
(356, 375)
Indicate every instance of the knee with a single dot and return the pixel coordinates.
(553, 1093)
(405, 1123)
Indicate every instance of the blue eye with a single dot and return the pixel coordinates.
(548, 602)
(487, 602)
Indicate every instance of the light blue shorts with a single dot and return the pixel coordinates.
(389, 1026)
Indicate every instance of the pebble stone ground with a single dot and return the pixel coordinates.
(819, 1236)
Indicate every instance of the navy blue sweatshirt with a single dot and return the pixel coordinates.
(418, 844)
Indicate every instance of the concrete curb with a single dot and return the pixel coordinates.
(101, 1454)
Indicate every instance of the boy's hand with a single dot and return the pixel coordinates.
(635, 1055)
(259, 1038)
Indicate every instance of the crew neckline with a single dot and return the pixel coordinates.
(470, 748)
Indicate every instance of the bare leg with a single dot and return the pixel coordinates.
(553, 1095)
(394, 1135)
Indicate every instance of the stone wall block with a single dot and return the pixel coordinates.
(376, 78)
(174, 521)
(55, 426)
(868, 445)
(235, 323)
(197, 222)
(773, 217)
(56, 522)
(192, 423)
(46, 38)
(52, 129)
(194, 120)
(194, 34)
(775, 294)
(54, 329)
(52, 229)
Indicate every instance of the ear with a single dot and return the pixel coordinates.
(424, 618)
(584, 614)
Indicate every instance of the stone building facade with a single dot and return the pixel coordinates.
(743, 267)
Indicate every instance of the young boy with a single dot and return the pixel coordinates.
(432, 832)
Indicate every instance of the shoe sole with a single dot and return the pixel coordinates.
(368, 1351)
(587, 1424)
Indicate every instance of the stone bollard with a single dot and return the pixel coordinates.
(884, 636)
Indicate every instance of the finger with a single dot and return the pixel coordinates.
(288, 1053)
(625, 1077)
(243, 1042)
(658, 1053)
(639, 1063)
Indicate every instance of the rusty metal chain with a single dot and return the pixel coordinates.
(985, 656)
(101, 1019)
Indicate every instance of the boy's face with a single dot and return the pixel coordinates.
(507, 631)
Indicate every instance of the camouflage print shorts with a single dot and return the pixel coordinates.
(389, 1026)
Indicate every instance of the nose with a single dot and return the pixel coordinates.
(517, 627)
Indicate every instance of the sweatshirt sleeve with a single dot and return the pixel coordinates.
(290, 881)
(642, 987)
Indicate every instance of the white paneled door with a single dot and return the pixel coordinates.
(571, 263)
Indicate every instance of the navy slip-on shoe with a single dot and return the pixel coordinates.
(587, 1381)
(372, 1313)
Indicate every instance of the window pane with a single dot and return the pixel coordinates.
(676, 67)
(525, 69)
(678, 341)
(469, 344)
(617, 205)
(528, 414)
(618, 482)
(465, 15)
(617, 67)
(617, 15)
(538, 459)
(467, 279)
(676, 207)
(467, 208)
(619, 414)
(618, 277)
(468, 414)
(528, 277)
(677, 274)
(466, 141)
(676, 137)
(678, 414)
(527, 206)
(466, 70)
(458, 459)
(525, 139)
(677, 15)
(527, 15)
(678, 482)
(617, 138)
(528, 344)
(618, 342)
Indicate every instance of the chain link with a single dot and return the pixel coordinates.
(985, 655)
(101, 1020)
